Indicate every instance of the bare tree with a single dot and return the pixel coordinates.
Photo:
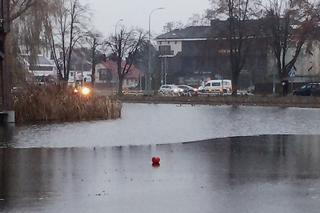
(28, 29)
(19, 7)
(172, 26)
(27, 22)
(94, 41)
(64, 31)
(200, 19)
(291, 24)
(213, 12)
(238, 12)
(125, 46)
(27, 18)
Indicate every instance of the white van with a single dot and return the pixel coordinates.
(218, 86)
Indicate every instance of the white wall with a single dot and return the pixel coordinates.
(175, 45)
(307, 65)
(78, 76)
(99, 67)
(43, 73)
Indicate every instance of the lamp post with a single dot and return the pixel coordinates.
(147, 90)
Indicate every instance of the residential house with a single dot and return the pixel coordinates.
(107, 75)
(81, 67)
(40, 67)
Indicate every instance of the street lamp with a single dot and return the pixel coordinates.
(148, 73)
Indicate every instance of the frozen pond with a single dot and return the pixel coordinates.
(143, 124)
(105, 166)
(261, 174)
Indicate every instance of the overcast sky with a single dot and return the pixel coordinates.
(135, 13)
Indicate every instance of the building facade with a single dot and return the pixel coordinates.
(107, 76)
(41, 68)
(198, 53)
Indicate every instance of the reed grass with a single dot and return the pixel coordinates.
(58, 103)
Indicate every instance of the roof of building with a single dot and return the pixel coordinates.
(40, 60)
(217, 29)
(44, 60)
(193, 32)
(79, 57)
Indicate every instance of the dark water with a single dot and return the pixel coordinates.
(144, 124)
(243, 174)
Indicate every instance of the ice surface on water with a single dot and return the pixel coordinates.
(143, 124)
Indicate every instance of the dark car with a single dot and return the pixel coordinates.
(308, 90)
(188, 90)
(316, 91)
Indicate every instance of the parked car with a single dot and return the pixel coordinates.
(251, 89)
(316, 91)
(217, 86)
(188, 90)
(308, 90)
(170, 89)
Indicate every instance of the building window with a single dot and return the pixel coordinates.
(165, 50)
(224, 51)
(40, 68)
(105, 75)
(87, 67)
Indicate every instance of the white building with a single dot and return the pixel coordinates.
(41, 67)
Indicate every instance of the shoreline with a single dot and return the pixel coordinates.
(267, 101)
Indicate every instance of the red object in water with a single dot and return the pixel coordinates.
(156, 160)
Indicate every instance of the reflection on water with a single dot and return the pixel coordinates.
(6, 134)
(243, 174)
(144, 124)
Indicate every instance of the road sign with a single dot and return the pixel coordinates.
(292, 73)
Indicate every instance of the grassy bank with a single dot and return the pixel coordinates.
(290, 101)
(59, 104)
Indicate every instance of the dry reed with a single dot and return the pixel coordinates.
(56, 103)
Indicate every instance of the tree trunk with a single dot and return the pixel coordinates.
(93, 74)
(285, 85)
(6, 83)
(93, 71)
(235, 79)
(120, 85)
